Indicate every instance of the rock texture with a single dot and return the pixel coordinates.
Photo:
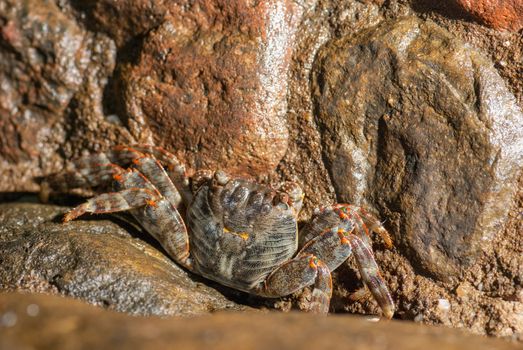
(498, 14)
(422, 127)
(211, 84)
(50, 67)
(42, 63)
(98, 262)
(57, 323)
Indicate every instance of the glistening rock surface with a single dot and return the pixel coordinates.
(52, 79)
(211, 84)
(96, 261)
(50, 322)
(422, 127)
(43, 56)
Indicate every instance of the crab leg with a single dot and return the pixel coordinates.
(334, 246)
(331, 246)
(155, 173)
(114, 202)
(98, 169)
(102, 171)
(338, 231)
(371, 222)
(161, 220)
(297, 273)
(174, 168)
(371, 276)
(346, 216)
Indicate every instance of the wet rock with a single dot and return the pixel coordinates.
(42, 62)
(124, 20)
(421, 127)
(498, 14)
(50, 68)
(50, 322)
(211, 83)
(96, 261)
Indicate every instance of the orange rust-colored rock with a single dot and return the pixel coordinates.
(211, 83)
(498, 14)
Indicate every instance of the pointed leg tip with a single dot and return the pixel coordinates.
(388, 313)
(67, 217)
(73, 214)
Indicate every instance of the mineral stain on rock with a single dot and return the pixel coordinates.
(417, 124)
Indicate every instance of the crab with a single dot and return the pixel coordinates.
(236, 232)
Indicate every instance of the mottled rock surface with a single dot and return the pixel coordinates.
(50, 67)
(211, 84)
(498, 14)
(96, 261)
(422, 127)
(56, 323)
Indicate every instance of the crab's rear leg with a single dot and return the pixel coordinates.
(331, 216)
(87, 172)
(297, 273)
(153, 211)
(174, 168)
(334, 234)
(94, 170)
(114, 202)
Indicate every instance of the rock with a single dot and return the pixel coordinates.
(42, 63)
(421, 127)
(50, 70)
(96, 261)
(211, 82)
(50, 322)
(124, 20)
(498, 14)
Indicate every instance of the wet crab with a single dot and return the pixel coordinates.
(237, 232)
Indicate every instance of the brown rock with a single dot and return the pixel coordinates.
(49, 322)
(125, 19)
(211, 84)
(42, 62)
(422, 127)
(96, 261)
(52, 75)
(498, 14)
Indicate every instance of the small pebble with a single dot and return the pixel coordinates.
(443, 304)
(8, 319)
(33, 310)
(372, 318)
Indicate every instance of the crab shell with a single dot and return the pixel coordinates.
(240, 232)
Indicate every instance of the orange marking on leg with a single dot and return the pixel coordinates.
(365, 229)
(118, 177)
(151, 203)
(341, 235)
(136, 161)
(313, 263)
(244, 235)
